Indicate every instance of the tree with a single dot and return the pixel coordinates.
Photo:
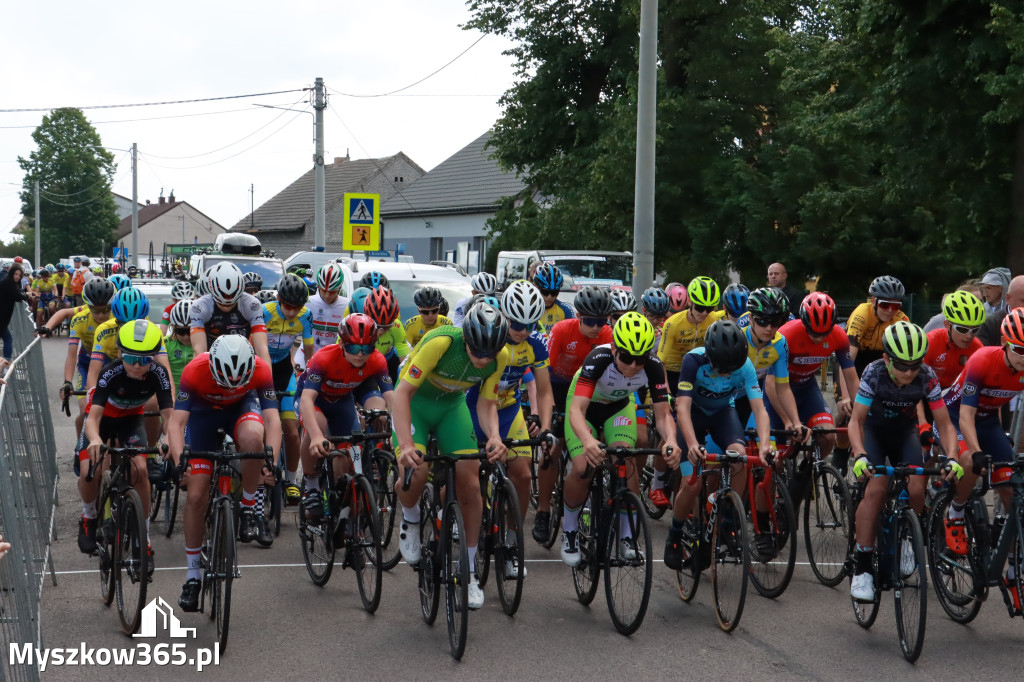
(74, 171)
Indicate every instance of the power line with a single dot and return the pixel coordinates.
(156, 104)
(95, 184)
(150, 118)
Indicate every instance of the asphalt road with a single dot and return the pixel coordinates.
(282, 626)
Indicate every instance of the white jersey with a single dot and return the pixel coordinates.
(326, 318)
(459, 313)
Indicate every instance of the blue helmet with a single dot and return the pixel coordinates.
(735, 299)
(120, 282)
(359, 299)
(655, 301)
(129, 304)
(548, 277)
(373, 280)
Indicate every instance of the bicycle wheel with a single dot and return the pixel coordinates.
(456, 577)
(627, 565)
(173, 509)
(430, 562)
(647, 474)
(827, 521)
(317, 540)
(910, 587)
(1018, 566)
(364, 544)
(385, 472)
(585, 576)
(156, 496)
(730, 560)
(223, 565)
(866, 612)
(131, 561)
(105, 536)
(953, 575)
(772, 572)
(688, 577)
(556, 510)
(537, 454)
(486, 541)
(509, 552)
(277, 504)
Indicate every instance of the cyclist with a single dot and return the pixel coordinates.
(114, 410)
(549, 280)
(327, 306)
(227, 309)
(601, 403)
(950, 346)
(709, 378)
(868, 321)
(678, 298)
(358, 300)
(768, 310)
(429, 399)
(428, 302)
(181, 291)
(734, 301)
(125, 306)
(482, 283)
(252, 282)
(120, 281)
(46, 289)
(228, 388)
(61, 281)
(622, 302)
(883, 426)
(685, 330)
(655, 306)
(178, 340)
(382, 307)
(374, 280)
(569, 343)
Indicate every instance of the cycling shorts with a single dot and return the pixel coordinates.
(201, 432)
(641, 416)
(560, 392)
(284, 380)
(129, 431)
(899, 444)
(82, 367)
(448, 419)
(341, 415)
(617, 425)
(992, 440)
(722, 427)
(511, 424)
(810, 406)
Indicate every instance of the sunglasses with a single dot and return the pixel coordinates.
(182, 331)
(890, 305)
(520, 327)
(359, 348)
(480, 355)
(594, 321)
(430, 311)
(99, 309)
(965, 330)
(137, 359)
(288, 306)
(1015, 349)
(904, 366)
(630, 359)
(549, 292)
(702, 308)
(766, 321)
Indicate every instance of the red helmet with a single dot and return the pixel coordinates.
(678, 298)
(1012, 327)
(381, 306)
(357, 328)
(818, 312)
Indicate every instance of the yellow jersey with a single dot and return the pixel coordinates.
(679, 336)
(104, 347)
(415, 328)
(865, 330)
(83, 329)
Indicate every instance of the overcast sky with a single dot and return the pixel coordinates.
(61, 53)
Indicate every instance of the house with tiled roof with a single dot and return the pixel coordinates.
(168, 221)
(285, 223)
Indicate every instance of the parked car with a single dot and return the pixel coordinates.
(310, 260)
(406, 278)
(158, 292)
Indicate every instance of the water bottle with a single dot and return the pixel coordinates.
(585, 517)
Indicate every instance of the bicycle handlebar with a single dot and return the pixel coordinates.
(104, 449)
(729, 457)
(622, 453)
(407, 479)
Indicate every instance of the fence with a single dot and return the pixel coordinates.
(28, 495)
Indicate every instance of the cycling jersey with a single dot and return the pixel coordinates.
(600, 380)
(198, 390)
(331, 375)
(946, 358)
(245, 319)
(806, 356)
(460, 310)
(120, 395)
(178, 355)
(556, 313)
(865, 330)
(392, 341)
(679, 336)
(522, 356)
(892, 405)
(83, 329)
(775, 356)
(165, 317)
(415, 328)
(711, 391)
(44, 287)
(441, 368)
(104, 347)
(60, 281)
(281, 331)
(325, 319)
(987, 383)
(568, 347)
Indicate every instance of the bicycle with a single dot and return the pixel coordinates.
(543, 460)
(350, 521)
(383, 473)
(771, 566)
(603, 545)
(121, 541)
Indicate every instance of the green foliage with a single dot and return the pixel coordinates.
(74, 171)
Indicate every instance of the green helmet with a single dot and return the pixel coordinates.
(963, 308)
(704, 291)
(905, 342)
(633, 333)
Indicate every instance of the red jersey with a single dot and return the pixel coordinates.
(946, 358)
(568, 348)
(806, 356)
(330, 374)
(166, 319)
(987, 383)
(197, 387)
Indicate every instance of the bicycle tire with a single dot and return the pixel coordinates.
(910, 591)
(585, 577)
(224, 569)
(317, 540)
(688, 577)
(557, 509)
(647, 474)
(485, 542)
(508, 547)
(828, 525)
(105, 544)
(430, 563)
(456, 578)
(536, 454)
(385, 470)
(173, 493)
(622, 574)
(730, 560)
(1018, 565)
(364, 544)
(277, 505)
(954, 577)
(131, 561)
(772, 577)
(156, 494)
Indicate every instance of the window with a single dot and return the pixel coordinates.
(436, 248)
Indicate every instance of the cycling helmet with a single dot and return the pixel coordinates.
(180, 315)
(678, 299)
(225, 282)
(887, 287)
(633, 333)
(382, 306)
(963, 308)
(252, 282)
(622, 301)
(522, 302)
(734, 298)
(358, 300)
(98, 291)
(484, 283)
(768, 302)
(905, 341)
(703, 291)
(592, 302)
(292, 290)
(267, 295)
(725, 346)
(427, 297)
(548, 277)
(120, 281)
(19, 259)
(818, 313)
(1012, 327)
(182, 291)
(655, 301)
(484, 298)
(357, 328)
(330, 277)
(443, 307)
(232, 360)
(50, 268)
(484, 330)
(374, 280)
(139, 337)
(129, 304)
(203, 284)
(60, 267)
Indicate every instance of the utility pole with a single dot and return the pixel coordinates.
(646, 115)
(38, 227)
(319, 222)
(182, 228)
(135, 204)
(252, 205)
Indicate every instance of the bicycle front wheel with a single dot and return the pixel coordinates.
(827, 525)
(456, 577)
(647, 475)
(556, 508)
(910, 584)
(131, 561)
(105, 536)
(172, 510)
(627, 565)
(730, 560)
(509, 556)
(430, 560)
(953, 575)
(585, 576)
(773, 555)
(223, 566)
(317, 539)
(364, 544)
(385, 473)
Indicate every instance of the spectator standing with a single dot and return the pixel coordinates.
(11, 294)
(994, 284)
(1014, 298)
(778, 277)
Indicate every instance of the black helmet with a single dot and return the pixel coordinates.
(98, 291)
(292, 290)
(374, 279)
(887, 287)
(593, 302)
(443, 307)
(252, 282)
(725, 346)
(427, 297)
(485, 330)
(768, 302)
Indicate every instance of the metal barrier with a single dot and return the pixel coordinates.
(28, 496)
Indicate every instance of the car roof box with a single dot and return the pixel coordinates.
(238, 244)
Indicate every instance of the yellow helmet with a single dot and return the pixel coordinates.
(139, 337)
(633, 333)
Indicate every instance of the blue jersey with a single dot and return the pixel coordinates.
(531, 353)
(710, 391)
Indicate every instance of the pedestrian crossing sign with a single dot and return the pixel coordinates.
(361, 225)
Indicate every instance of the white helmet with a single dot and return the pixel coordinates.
(182, 291)
(484, 283)
(180, 315)
(226, 283)
(522, 302)
(203, 283)
(232, 360)
(330, 277)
